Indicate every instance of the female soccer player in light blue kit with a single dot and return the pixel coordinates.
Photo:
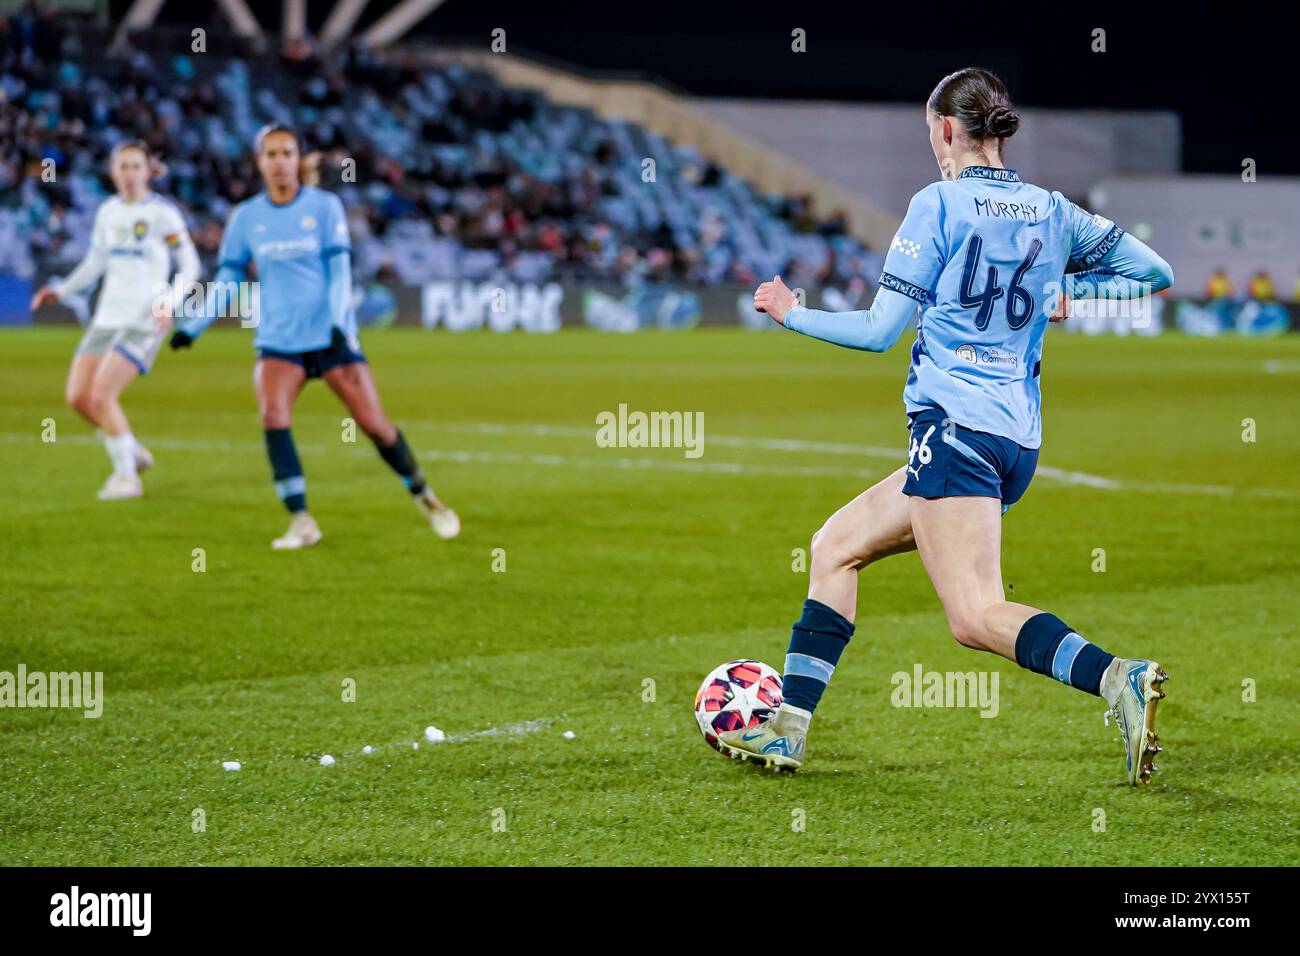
(985, 258)
(296, 236)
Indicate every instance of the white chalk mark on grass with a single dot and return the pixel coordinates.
(512, 730)
(537, 725)
(1281, 366)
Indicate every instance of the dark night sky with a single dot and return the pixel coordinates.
(1230, 72)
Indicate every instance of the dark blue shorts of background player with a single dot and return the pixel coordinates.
(319, 361)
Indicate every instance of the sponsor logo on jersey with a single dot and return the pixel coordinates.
(308, 223)
(1101, 222)
(987, 354)
(287, 248)
(996, 356)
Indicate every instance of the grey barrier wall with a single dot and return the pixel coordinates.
(882, 152)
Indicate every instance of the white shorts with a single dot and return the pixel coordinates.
(141, 346)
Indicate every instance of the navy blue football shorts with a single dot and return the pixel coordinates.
(947, 460)
(342, 350)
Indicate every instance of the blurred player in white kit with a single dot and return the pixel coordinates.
(136, 233)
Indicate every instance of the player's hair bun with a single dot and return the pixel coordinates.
(979, 101)
(1001, 121)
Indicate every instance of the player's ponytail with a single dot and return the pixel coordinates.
(309, 168)
(979, 101)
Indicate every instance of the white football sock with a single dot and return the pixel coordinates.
(1112, 680)
(792, 720)
(121, 451)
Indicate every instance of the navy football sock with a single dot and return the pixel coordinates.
(290, 485)
(401, 460)
(1047, 645)
(816, 643)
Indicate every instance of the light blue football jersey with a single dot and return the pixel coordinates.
(984, 256)
(289, 245)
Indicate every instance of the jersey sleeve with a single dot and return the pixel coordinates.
(92, 266)
(99, 230)
(336, 237)
(176, 235)
(173, 226)
(233, 259)
(916, 256)
(869, 330)
(1092, 237)
(1130, 270)
(234, 252)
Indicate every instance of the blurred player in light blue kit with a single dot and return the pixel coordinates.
(987, 260)
(296, 237)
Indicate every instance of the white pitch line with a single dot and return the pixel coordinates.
(464, 456)
(1079, 478)
(729, 441)
(639, 464)
(1065, 476)
(175, 444)
(467, 457)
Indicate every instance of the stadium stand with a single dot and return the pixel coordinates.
(445, 172)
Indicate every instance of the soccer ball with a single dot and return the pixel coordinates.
(736, 694)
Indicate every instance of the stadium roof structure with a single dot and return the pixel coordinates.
(389, 28)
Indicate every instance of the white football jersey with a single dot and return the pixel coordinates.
(132, 246)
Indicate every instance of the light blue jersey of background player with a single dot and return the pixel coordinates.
(301, 251)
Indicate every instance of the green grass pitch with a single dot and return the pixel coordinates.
(629, 566)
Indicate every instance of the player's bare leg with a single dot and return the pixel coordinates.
(77, 390)
(79, 394)
(874, 525)
(277, 383)
(114, 374)
(95, 386)
(354, 384)
(960, 542)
